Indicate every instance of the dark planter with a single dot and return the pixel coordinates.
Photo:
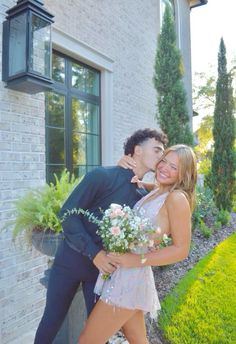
(47, 241)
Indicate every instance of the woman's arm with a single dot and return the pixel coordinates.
(179, 216)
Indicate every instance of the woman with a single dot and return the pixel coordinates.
(169, 207)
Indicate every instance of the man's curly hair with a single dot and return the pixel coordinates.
(141, 136)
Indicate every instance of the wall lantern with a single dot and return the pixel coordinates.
(27, 47)
(196, 3)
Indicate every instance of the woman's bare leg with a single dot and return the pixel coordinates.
(135, 329)
(104, 321)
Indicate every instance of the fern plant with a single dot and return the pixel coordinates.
(38, 208)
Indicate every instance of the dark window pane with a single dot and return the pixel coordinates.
(93, 122)
(73, 118)
(78, 77)
(93, 148)
(55, 145)
(79, 149)
(51, 170)
(55, 110)
(92, 82)
(85, 117)
(80, 171)
(79, 115)
(86, 80)
(58, 68)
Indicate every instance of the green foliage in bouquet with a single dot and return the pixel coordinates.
(38, 208)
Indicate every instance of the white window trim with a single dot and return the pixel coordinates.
(72, 47)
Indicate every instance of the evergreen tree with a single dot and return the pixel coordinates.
(223, 162)
(171, 96)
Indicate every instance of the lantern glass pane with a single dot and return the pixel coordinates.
(40, 49)
(17, 45)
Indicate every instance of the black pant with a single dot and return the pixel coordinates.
(68, 271)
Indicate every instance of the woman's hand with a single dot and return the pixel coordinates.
(127, 162)
(126, 260)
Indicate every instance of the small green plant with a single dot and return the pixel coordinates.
(38, 208)
(205, 209)
(223, 217)
(217, 225)
(204, 229)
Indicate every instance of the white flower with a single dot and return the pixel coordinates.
(115, 206)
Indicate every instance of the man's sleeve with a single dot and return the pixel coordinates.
(82, 197)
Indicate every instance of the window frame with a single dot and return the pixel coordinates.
(65, 89)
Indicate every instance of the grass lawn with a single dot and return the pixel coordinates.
(202, 307)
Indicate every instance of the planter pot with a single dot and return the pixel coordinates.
(47, 241)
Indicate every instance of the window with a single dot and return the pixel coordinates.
(73, 130)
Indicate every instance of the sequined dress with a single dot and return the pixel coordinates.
(134, 288)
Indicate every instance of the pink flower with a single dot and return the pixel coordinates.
(115, 230)
(158, 230)
(116, 213)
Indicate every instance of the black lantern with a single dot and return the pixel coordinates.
(27, 47)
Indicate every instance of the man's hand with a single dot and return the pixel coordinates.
(104, 263)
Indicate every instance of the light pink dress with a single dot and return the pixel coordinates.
(134, 288)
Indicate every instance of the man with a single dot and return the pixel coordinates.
(80, 256)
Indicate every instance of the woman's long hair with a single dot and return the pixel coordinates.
(187, 171)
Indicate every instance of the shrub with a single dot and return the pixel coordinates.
(204, 229)
(223, 217)
(217, 225)
(38, 208)
(205, 210)
(223, 160)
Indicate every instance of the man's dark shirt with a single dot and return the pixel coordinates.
(97, 190)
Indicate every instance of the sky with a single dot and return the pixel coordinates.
(209, 23)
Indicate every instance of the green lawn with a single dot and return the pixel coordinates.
(202, 308)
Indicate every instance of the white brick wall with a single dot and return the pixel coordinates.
(22, 166)
(124, 31)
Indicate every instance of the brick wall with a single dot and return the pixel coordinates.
(22, 166)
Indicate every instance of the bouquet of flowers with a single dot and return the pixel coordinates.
(122, 229)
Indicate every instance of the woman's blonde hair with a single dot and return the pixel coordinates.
(187, 171)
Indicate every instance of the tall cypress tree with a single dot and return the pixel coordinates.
(223, 162)
(171, 96)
